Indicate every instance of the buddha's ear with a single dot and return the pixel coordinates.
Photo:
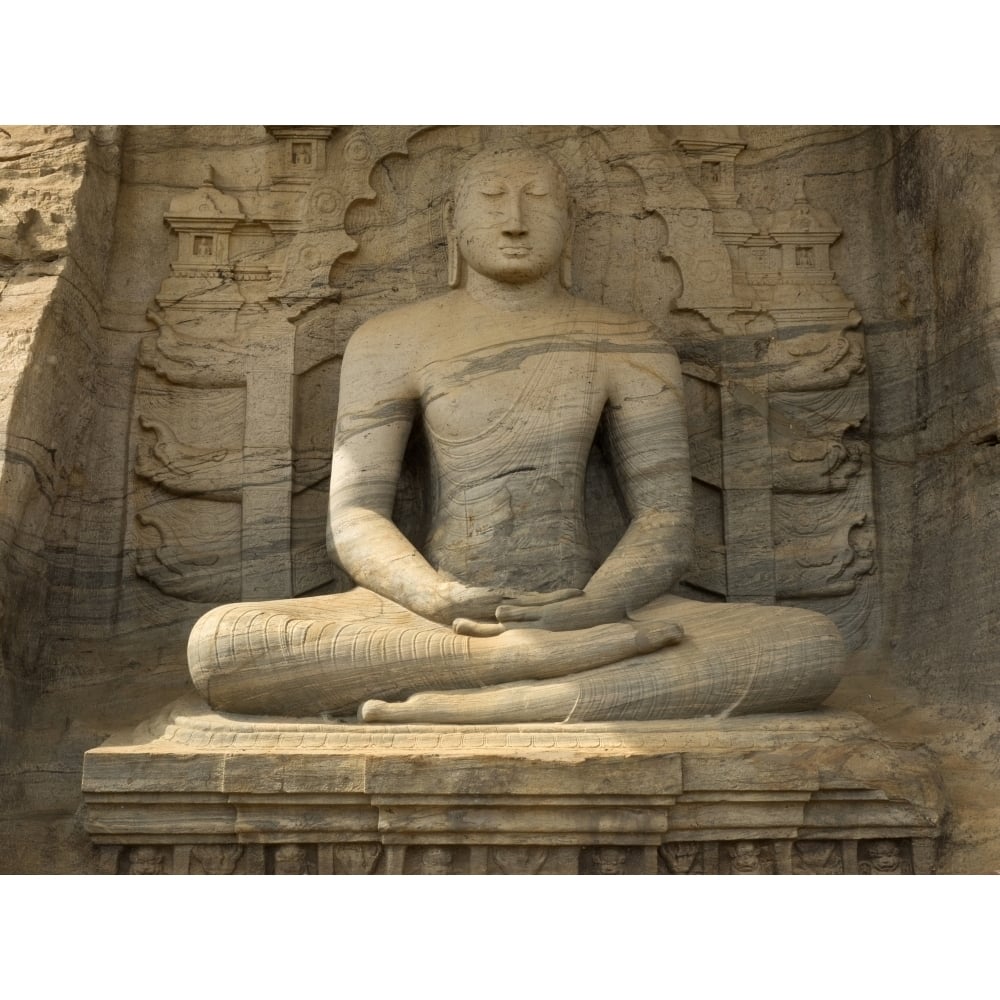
(454, 257)
(566, 261)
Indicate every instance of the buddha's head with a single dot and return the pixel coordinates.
(509, 219)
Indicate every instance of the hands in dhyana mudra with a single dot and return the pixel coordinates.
(484, 612)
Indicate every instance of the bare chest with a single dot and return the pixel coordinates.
(536, 389)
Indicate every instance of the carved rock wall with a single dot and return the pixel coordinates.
(58, 187)
(936, 347)
(860, 310)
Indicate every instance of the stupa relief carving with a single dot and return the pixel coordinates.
(218, 346)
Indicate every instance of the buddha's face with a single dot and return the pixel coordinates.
(511, 216)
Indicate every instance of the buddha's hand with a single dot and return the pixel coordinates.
(455, 603)
(561, 611)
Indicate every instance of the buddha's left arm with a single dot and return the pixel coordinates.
(647, 432)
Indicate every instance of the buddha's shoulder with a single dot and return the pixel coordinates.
(406, 327)
(611, 322)
(404, 321)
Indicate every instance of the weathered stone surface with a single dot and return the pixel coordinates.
(784, 794)
(112, 470)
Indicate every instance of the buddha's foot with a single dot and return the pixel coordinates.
(534, 701)
(652, 635)
(528, 654)
(377, 711)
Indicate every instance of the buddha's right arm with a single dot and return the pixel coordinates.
(378, 556)
(377, 406)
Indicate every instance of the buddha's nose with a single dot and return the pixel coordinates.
(514, 224)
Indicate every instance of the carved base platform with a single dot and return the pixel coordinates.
(198, 792)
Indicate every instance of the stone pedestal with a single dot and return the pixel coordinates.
(198, 792)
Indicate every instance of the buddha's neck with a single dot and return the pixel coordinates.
(512, 297)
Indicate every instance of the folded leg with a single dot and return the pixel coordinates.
(736, 659)
(326, 654)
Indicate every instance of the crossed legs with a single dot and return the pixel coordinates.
(734, 660)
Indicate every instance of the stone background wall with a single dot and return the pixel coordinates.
(83, 252)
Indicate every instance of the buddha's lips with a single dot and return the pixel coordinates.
(516, 251)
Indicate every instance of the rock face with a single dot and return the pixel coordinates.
(175, 303)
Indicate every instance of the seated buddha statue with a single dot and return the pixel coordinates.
(503, 614)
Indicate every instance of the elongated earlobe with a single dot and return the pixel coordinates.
(454, 262)
(566, 261)
(566, 270)
(454, 257)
